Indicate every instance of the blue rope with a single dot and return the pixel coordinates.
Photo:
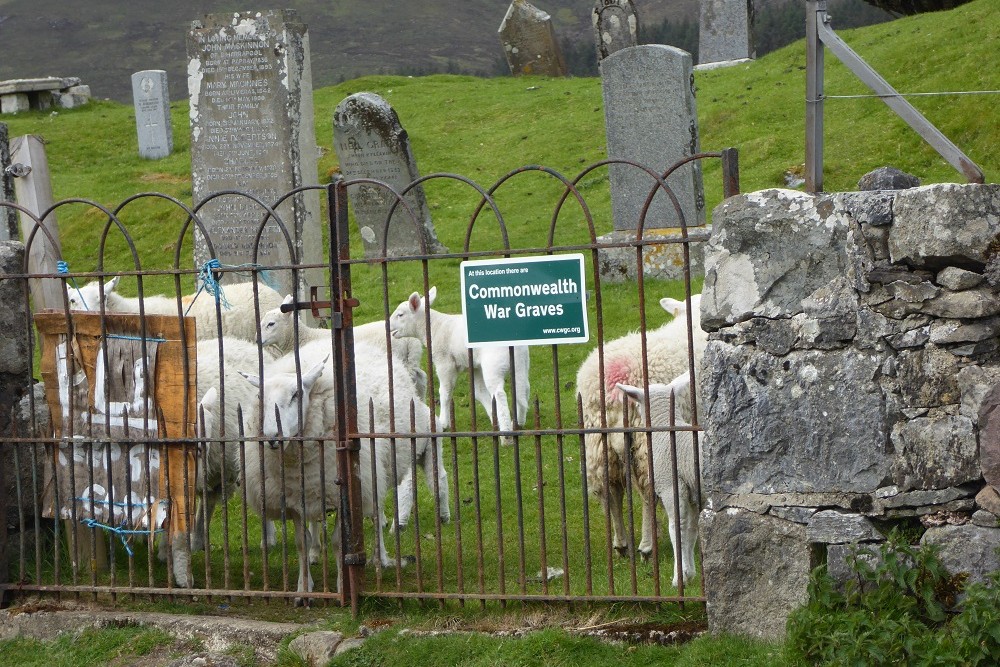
(149, 340)
(209, 284)
(120, 531)
(63, 267)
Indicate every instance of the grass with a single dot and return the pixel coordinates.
(89, 647)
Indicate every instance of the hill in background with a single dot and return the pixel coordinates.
(105, 41)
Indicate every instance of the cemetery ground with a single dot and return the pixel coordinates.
(483, 128)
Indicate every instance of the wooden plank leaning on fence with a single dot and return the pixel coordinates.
(171, 414)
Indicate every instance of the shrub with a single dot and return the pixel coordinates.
(901, 608)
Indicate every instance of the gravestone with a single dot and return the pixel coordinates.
(250, 87)
(616, 26)
(152, 113)
(651, 119)
(529, 41)
(8, 216)
(725, 33)
(371, 143)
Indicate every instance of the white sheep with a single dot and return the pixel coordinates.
(686, 513)
(239, 319)
(306, 406)
(450, 347)
(667, 358)
(277, 329)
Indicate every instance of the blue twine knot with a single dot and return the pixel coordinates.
(210, 284)
(122, 532)
(62, 266)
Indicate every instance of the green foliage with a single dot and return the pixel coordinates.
(89, 647)
(899, 609)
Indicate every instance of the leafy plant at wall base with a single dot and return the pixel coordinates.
(899, 609)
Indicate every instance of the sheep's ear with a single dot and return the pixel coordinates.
(679, 383)
(111, 284)
(310, 376)
(635, 393)
(252, 379)
(431, 295)
(414, 301)
(288, 299)
(672, 306)
(210, 398)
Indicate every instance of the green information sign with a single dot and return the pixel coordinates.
(525, 301)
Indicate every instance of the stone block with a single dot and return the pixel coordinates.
(769, 251)
(663, 258)
(14, 103)
(756, 570)
(935, 452)
(968, 548)
(833, 527)
(781, 424)
(946, 224)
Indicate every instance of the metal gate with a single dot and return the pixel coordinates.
(141, 481)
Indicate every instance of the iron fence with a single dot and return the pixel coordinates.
(146, 467)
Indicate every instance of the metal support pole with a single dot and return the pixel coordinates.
(815, 14)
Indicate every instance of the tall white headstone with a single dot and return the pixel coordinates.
(151, 99)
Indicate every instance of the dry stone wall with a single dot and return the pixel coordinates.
(855, 344)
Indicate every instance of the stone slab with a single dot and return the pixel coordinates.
(151, 101)
(651, 120)
(725, 30)
(252, 130)
(616, 26)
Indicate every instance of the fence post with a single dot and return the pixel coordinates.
(34, 192)
(814, 96)
(348, 444)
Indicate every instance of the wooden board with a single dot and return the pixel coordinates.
(102, 470)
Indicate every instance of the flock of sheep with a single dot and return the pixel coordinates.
(296, 398)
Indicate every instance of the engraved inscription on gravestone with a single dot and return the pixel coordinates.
(651, 119)
(371, 143)
(529, 42)
(616, 26)
(725, 31)
(250, 86)
(152, 114)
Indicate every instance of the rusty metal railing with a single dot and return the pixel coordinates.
(490, 522)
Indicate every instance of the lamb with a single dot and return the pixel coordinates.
(277, 329)
(667, 354)
(660, 397)
(239, 320)
(490, 365)
(310, 473)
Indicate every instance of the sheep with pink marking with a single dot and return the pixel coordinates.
(667, 358)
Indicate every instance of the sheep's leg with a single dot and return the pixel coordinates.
(689, 535)
(621, 537)
(523, 387)
(204, 509)
(648, 517)
(269, 533)
(302, 539)
(404, 496)
(440, 473)
(447, 376)
(316, 543)
(493, 378)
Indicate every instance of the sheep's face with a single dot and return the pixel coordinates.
(271, 326)
(274, 324)
(285, 402)
(88, 297)
(407, 321)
